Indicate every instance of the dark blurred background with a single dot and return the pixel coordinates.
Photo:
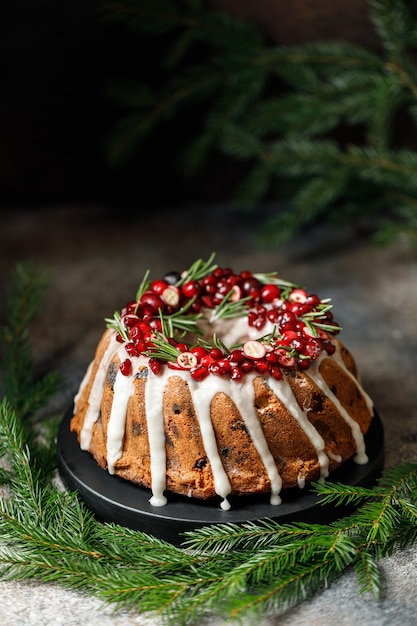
(59, 60)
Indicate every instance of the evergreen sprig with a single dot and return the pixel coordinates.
(275, 107)
(47, 534)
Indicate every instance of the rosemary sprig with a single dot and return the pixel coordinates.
(216, 342)
(116, 324)
(162, 349)
(198, 270)
(180, 321)
(144, 285)
(312, 318)
(229, 309)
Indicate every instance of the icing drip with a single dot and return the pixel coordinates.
(339, 360)
(283, 391)
(201, 394)
(301, 481)
(243, 395)
(96, 392)
(314, 373)
(123, 389)
(156, 435)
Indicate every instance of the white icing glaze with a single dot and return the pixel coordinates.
(96, 391)
(202, 393)
(242, 394)
(337, 356)
(123, 389)
(283, 391)
(360, 457)
(301, 481)
(156, 434)
(335, 457)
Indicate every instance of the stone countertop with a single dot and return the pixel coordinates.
(96, 258)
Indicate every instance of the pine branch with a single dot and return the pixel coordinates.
(257, 101)
(22, 304)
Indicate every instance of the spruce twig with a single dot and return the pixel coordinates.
(273, 108)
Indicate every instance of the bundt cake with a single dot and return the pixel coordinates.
(212, 382)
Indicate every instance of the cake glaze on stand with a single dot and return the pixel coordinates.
(113, 499)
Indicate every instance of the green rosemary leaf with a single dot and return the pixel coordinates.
(198, 270)
(180, 321)
(162, 349)
(229, 309)
(144, 285)
(116, 323)
(272, 277)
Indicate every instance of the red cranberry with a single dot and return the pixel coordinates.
(246, 366)
(236, 373)
(206, 360)
(313, 300)
(250, 284)
(199, 372)
(199, 351)
(208, 301)
(129, 308)
(236, 355)
(329, 347)
(131, 349)
(275, 372)
(159, 286)
(216, 354)
(126, 367)
(152, 298)
(298, 295)
(187, 360)
(261, 366)
(224, 366)
(171, 296)
(286, 321)
(272, 315)
(191, 289)
(129, 320)
(312, 348)
(284, 357)
(271, 358)
(270, 292)
(155, 365)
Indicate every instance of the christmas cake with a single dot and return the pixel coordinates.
(211, 383)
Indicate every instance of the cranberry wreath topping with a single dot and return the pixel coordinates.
(165, 323)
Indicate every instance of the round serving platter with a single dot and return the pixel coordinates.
(113, 499)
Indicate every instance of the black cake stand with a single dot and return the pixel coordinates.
(113, 499)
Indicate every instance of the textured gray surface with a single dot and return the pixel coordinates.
(96, 260)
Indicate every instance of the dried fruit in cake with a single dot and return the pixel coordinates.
(212, 382)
